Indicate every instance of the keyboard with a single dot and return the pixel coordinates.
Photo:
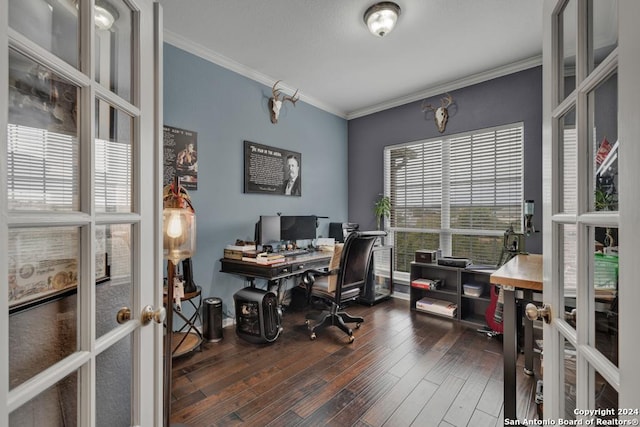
(293, 252)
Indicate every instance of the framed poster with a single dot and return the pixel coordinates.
(271, 170)
(43, 265)
(180, 157)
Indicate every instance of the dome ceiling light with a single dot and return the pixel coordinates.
(382, 17)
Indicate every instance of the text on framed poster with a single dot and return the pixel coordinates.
(180, 155)
(271, 170)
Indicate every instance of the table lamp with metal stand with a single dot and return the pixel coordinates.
(179, 242)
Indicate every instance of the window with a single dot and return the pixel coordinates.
(458, 194)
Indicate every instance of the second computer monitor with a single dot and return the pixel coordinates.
(294, 228)
(269, 229)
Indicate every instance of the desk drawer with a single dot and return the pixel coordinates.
(275, 271)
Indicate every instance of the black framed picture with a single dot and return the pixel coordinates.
(180, 156)
(272, 170)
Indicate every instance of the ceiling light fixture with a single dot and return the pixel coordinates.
(104, 15)
(381, 17)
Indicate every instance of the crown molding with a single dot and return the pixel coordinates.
(221, 60)
(514, 67)
(229, 64)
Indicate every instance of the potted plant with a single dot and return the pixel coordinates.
(604, 201)
(382, 209)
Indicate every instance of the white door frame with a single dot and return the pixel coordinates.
(626, 378)
(629, 131)
(146, 220)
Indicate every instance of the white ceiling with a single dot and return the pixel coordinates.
(323, 48)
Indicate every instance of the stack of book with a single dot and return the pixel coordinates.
(436, 306)
(267, 259)
(240, 251)
(430, 284)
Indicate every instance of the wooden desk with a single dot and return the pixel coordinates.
(276, 273)
(290, 266)
(521, 272)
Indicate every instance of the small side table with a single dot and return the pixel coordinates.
(189, 336)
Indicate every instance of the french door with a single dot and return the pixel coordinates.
(591, 176)
(80, 188)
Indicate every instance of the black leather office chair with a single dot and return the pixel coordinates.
(339, 285)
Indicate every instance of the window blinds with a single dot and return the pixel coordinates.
(467, 189)
(42, 169)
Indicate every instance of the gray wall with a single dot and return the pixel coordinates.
(513, 98)
(225, 109)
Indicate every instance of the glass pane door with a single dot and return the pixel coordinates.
(581, 252)
(72, 228)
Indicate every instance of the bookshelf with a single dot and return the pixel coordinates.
(470, 308)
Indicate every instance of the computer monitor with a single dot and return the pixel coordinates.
(268, 229)
(294, 228)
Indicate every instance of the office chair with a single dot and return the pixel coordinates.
(343, 281)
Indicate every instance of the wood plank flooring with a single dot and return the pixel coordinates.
(403, 369)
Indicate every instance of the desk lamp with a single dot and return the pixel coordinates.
(179, 242)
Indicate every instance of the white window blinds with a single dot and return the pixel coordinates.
(485, 179)
(459, 193)
(113, 176)
(42, 169)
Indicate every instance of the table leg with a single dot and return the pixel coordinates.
(510, 352)
(528, 335)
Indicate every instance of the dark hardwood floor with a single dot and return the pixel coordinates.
(404, 368)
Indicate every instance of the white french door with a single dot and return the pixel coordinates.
(591, 157)
(80, 187)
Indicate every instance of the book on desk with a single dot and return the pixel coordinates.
(240, 251)
(266, 259)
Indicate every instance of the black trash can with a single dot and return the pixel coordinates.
(212, 319)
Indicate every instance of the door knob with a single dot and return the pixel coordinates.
(534, 313)
(149, 314)
(123, 315)
(570, 315)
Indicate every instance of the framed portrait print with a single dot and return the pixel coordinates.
(272, 170)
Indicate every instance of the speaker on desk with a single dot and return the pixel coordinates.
(257, 315)
(340, 230)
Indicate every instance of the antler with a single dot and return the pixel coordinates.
(444, 103)
(448, 101)
(274, 91)
(276, 94)
(427, 107)
(293, 98)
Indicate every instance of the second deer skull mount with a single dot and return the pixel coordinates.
(275, 102)
(440, 114)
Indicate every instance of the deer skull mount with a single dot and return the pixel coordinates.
(275, 102)
(440, 114)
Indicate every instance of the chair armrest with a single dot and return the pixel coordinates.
(324, 272)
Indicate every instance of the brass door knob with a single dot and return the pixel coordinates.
(534, 313)
(123, 315)
(149, 314)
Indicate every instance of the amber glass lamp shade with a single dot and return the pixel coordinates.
(179, 234)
